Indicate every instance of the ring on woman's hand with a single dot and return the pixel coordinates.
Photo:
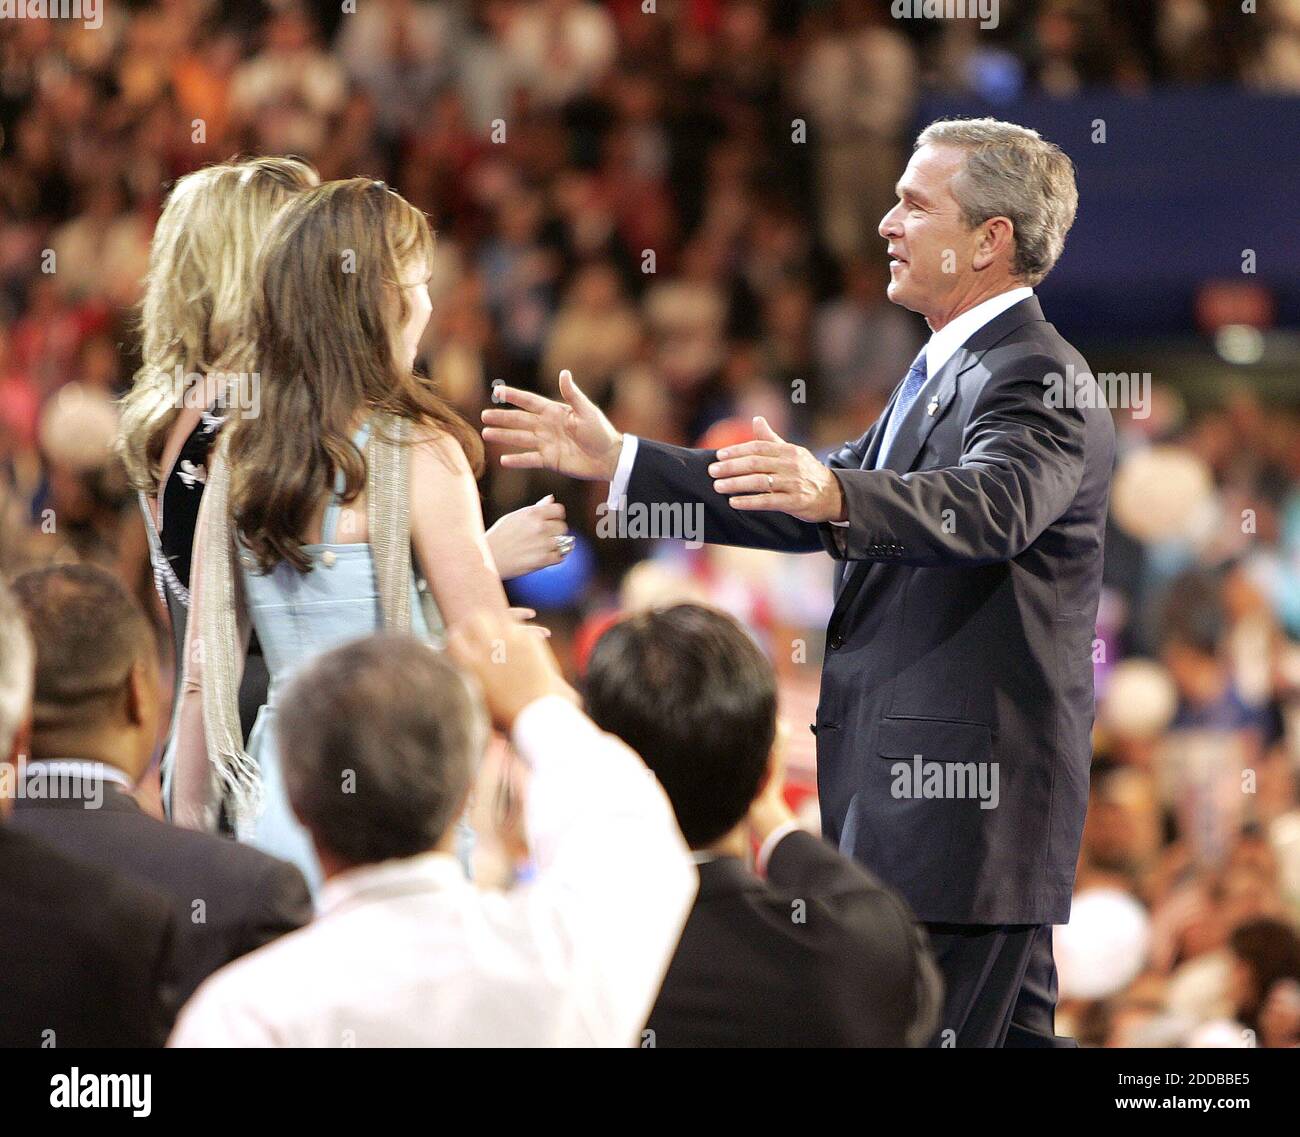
(771, 483)
(564, 543)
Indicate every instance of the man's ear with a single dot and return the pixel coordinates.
(21, 748)
(997, 239)
(141, 690)
(770, 772)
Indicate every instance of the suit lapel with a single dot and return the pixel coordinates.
(922, 416)
(925, 411)
(870, 458)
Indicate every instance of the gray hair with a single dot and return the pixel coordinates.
(17, 670)
(1013, 172)
(379, 741)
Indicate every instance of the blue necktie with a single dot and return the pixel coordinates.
(911, 387)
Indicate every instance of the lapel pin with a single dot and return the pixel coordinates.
(934, 405)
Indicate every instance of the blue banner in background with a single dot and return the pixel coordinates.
(1160, 209)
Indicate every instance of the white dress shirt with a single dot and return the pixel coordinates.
(943, 344)
(410, 953)
(941, 347)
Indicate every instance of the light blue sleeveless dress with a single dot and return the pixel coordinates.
(298, 616)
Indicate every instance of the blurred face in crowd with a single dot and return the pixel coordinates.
(938, 265)
(418, 308)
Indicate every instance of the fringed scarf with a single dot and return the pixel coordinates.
(388, 505)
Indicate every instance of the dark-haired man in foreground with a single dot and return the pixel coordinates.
(818, 955)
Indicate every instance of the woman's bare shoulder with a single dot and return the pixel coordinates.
(432, 442)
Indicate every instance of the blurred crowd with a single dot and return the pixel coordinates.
(680, 206)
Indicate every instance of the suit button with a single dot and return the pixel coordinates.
(837, 640)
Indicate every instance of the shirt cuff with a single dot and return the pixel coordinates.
(768, 847)
(546, 724)
(622, 473)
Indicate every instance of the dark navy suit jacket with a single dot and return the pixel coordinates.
(963, 624)
(248, 898)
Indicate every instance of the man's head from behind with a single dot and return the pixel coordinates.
(379, 740)
(96, 695)
(983, 206)
(691, 693)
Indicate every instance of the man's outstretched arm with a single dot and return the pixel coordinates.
(1020, 467)
(574, 437)
(667, 475)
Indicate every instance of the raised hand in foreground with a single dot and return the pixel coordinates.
(511, 662)
(572, 437)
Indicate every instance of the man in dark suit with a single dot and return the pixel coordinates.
(819, 954)
(953, 732)
(87, 953)
(96, 715)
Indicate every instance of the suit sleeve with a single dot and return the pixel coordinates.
(1021, 465)
(160, 1000)
(804, 865)
(283, 904)
(664, 474)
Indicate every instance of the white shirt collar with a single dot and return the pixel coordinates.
(944, 343)
(427, 872)
(80, 768)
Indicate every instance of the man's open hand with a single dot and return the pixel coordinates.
(573, 438)
(770, 473)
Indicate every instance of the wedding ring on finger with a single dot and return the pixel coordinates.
(771, 483)
(564, 543)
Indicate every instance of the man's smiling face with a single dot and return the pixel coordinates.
(927, 234)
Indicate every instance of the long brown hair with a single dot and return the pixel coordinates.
(196, 309)
(328, 310)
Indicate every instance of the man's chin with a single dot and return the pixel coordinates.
(896, 293)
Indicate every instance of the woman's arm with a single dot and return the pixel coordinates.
(187, 418)
(447, 534)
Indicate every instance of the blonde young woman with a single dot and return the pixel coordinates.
(197, 337)
(320, 510)
(195, 331)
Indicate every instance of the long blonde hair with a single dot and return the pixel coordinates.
(328, 306)
(197, 307)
